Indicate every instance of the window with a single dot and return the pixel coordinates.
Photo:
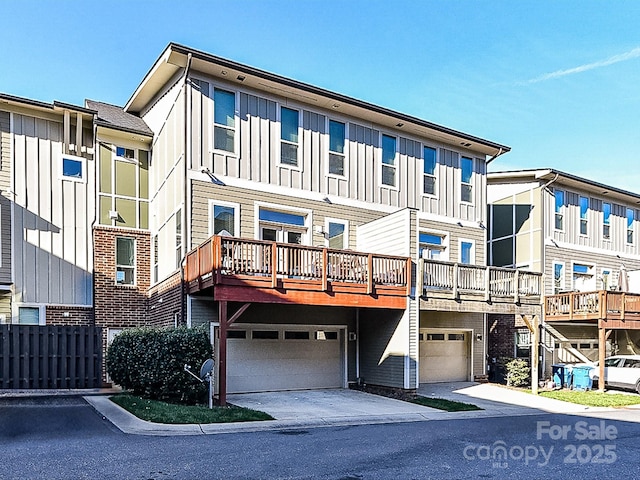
(466, 252)
(178, 238)
(336, 147)
(289, 136)
(264, 335)
(630, 219)
(558, 277)
(73, 168)
(125, 261)
(431, 246)
(559, 197)
(606, 220)
(523, 344)
(280, 226)
(429, 178)
(388, 160)
(155, 258)
(337, 234)
(456, 337)
(29, 315)
(239, 334)
(296, 335)
(324, 335)
(127, 153)
(224, 120)
(224, 219)
(435, 337)
(583, 277)
(584, 212)
(607, 279)
(466, 188)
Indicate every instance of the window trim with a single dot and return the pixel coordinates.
(83, 166)
(470, 183)
(583, 219)
(590, 273)
(435, 173)
(134, 266)
(308, 214)
(606, 221)
(472, 260)
(438, 233)
(345, 240)
(630, 229)
(236, 215)
(562, 284)
(236, 120)
(345, 155)
(395, 165)
(42, 313)
(299, 153)
(559, 211)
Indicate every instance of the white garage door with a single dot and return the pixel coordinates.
(262, 359)
(444, 356)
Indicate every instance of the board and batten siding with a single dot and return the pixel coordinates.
(5, 198)
(257, 133)
(52, 229)
(203, 192)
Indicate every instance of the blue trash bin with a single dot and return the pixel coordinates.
(581, 378)
(562, 375)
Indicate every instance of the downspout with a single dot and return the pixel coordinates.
(96, 159)
(187, 161)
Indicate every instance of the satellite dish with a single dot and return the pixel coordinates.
(206, 369)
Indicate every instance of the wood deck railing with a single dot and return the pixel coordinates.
(490, 282)
(591, 306)
(221, 260)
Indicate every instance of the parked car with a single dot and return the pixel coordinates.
(620, 371)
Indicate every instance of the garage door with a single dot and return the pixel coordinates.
(262, 359)
(444, 356)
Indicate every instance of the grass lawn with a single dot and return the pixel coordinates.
(593, 399)
(447, 405)
(162, 412)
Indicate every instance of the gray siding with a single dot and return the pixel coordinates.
(378, 364)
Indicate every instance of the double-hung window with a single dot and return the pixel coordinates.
(289, 123)
(429, 178)
(466, 186)
(584, 212)
(606, 220)
(224, 120)
(559, 209)
(630, 219)
(125, 261)
(389, 160)
(336, 148)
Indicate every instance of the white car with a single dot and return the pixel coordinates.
(620, 371)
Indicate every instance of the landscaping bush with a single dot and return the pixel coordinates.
(518, 373)
(149, 362)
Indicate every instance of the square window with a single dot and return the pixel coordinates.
(29, 315)
(73, 168)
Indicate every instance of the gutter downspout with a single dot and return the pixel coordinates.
(185, 211)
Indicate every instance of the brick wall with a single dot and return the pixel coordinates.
(166, 303)
(69, 315)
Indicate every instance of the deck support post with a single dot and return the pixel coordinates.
(535, 355)
(222, 354)
(602, 348)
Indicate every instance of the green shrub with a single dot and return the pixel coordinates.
(518, 373)
(149, 362)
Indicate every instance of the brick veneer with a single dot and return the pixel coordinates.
(71, 315)
(501, 341)
(166, 301)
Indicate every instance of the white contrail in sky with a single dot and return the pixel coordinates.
(622, 57)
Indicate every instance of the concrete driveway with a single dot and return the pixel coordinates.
(332, 406)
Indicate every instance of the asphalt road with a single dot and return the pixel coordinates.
(66, 438)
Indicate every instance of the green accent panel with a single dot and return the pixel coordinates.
(126, 212)
(125, 179)
(105, 206)
(105, 169)
(144, 215)
(143, 161)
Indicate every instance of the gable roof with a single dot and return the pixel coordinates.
(112, 116)
(178, 58)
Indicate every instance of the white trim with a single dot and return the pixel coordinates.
(236, 215)
(135, 261)
(396, 163)
(236, 119)
(449, 220)
(42, 312)
(299, 150)
(472, 183)
(327, 145)
(345, 240)
(446, 236)
(13, 204)
(551, 242)
(308, 223)
(563, 276)
(472, 340)
(435, 174)
(75, 158)
(472, 260)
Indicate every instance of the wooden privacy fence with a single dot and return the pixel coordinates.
(50, 357)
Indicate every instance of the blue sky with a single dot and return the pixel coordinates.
(558, 81)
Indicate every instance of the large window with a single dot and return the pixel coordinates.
(224, 120)
(336, 148)
(606, 220)
(289, 123)
(466, 186)
(467, 254)
(388, 160)
(125, 261)
(630, 219)
(224, 219)
(432, 246)
(558, 277)
(559, 209)
(584, 213)
(429, 175)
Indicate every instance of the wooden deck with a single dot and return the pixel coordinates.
(616, 310)
(245, 270)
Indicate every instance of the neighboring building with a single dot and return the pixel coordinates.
(579, 233)
(325, 240)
